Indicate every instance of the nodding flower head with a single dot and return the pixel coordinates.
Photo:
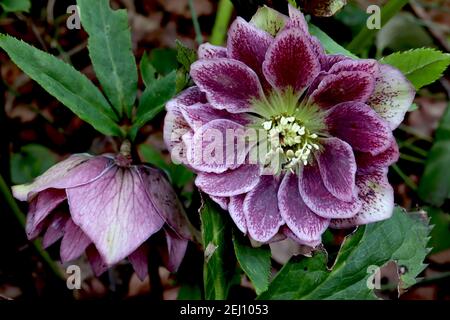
(323, 130)
(106, 206)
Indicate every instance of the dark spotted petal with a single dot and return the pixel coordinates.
(236, 209)
(367, 162)
(209, 51)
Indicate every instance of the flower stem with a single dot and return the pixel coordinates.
(364, 38)
(410, 158)
(4, 190)
(198, 31)
(405, 178)
(223, 17)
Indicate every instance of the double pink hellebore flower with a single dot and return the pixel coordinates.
(114, 207)
(333, 116)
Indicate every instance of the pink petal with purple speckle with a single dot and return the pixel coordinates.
(209, 51)
(236, 209)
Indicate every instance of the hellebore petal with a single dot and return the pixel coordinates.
(269, 20)
(236, 209)
(188, 97)
(305, 224)
(139, 260)
(367, 162)
(74, 242)
(248, 44)
(217, 146)
(95, 260)
(209, 51)
(115, 213)
(393, 95)
(229, 183)
(200, 114)
(331, 59)
(175, 126)
(365, 65)
(296, 20)
(261, 210)
(165, 201)
(320, 200)
(343, 87)
(290, 61)
(229, 84)
(377, 197)
(337, 166)
(221, 201)
(40, 207)
(287, 232)
(360, 126)
(76, 170)
(55, 229)
(176, 249)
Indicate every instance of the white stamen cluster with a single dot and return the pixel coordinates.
(290, 139)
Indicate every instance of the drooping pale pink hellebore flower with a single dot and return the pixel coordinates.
(334, 117)
(114, 207)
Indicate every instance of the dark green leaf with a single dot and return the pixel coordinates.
(255, 262)
(189, 292)
(15, 5)
(153, 100)
(331, 46)
(30, 162)
(164, 60)
(434, 186)
(440, 234)
(420, 66)
(402, 238)
(66, 84)
(185, 56)
(110, 51)
(219, 265)
(148, 71)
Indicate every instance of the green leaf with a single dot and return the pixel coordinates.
(402, 238)
(30, 162)
(164, 60)
(185, 56)
(255, 262)
(16, 5)
(420, 66)
(153, 100)
(110, 50)
(331, 46)
(434, 186)
(440, 234)
(189, 292)
(66, 84)
(269, 20)
(219, 263)
(148, 71)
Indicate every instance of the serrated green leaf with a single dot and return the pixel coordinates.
(110, 50)
(69, 86)
(420, 66)
(255, 262)
(16, 5)
(185, 56)
(434, 186)
(30, 162)
(148, 71)
(153, 100)
(440, 234)
(402, 238)
(331, 46)
(219, 263)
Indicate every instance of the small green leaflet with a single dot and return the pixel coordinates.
(148, 71)
(153, 100)
(403, 238)
(110, 50)
(255, 262)
(219, 263)
(421, 66)
(434, 186)
(185, 56)
(69, 86)
(16, 5)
